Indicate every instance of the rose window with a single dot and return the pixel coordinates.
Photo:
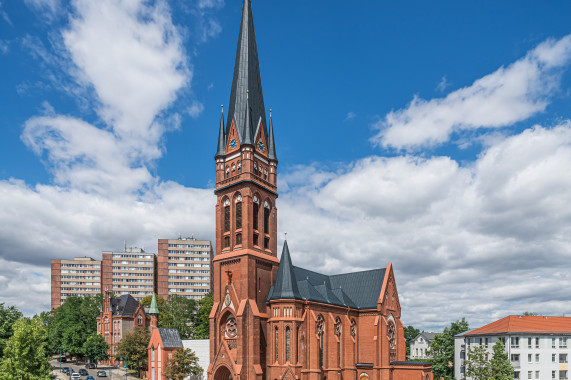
(231, 328)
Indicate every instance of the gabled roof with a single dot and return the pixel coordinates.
(170, 338)
(246, 83)
(525, 324)
(124, 306)
(358, 290)
(428, 336)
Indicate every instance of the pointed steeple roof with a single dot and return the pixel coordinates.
(154, 309)
(271, 143)
(246, 78)
(285, 286)
(221, 138)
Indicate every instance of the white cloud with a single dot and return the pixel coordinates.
(4, 47)
(48, 9)
(443, 84)
(508, 95)
(350, 116)
(493, 234)
(204, 4)
(195, 109)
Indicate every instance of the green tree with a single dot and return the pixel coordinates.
(409, 334)
(25, 355)
(477, 364)
(442, 350)
(133, 348)
(8, 316)
(500, 365)
(183, 363)
(72, 323)
(201, 323)
(96, 348)
(179, 314)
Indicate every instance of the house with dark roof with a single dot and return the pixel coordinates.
(161, 346)
(119, 316)
(420, 345)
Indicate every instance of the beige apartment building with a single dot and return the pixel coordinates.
(78, 277)
(132, 271)
(184, 267)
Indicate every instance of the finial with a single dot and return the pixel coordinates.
(285, 233)
(247, 94)
(222, 106)
(270, 112)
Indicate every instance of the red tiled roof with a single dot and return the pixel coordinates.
(531, 324)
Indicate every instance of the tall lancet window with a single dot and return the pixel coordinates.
(287, 345)
(238, 212)
(320, 330)
(338, 335)
(277, 344)
(227, 215)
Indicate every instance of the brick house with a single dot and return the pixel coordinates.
(119, 316)
(161, 346)
(272, 320)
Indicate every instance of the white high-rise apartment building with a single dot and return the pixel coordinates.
(538, 347)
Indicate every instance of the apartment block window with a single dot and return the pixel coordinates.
(536, 342)
(529, 374)
(529, 342)
(553, 374)
(554, 358)
(503, 339)
(562, 358)
(552, 342)
(563, 342)
(486, 343)
(529, 358)
(537, 358)
(537, 374)
(514, 342)
(563, 374)
(515, 357)
(516, 375)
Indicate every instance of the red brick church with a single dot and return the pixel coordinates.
(272, 320)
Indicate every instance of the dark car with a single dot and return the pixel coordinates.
(66, 370)
(89, 378)
(90, 366)
(101, 374)
(83, 372)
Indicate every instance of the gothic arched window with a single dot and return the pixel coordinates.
(287, 345)
(277, 344)
(338, 335)
(320, 330)
(391, 334)
(353, 328)
(238, 212)
(266, 218)
(231, 327)
(140, 320)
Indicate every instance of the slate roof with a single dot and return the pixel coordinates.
(358, 290)
(428, 336)
(170, 338)
(246, 82)
(124, 305)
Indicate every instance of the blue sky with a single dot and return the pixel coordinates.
(432, 135)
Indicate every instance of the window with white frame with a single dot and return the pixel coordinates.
(514, 342)
(537, 358)
(529, 358)
(562, 358)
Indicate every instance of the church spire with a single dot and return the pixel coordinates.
(286, 283)
(221, 137)
(271, 142)
(246, 82)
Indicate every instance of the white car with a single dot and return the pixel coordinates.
(75, 375)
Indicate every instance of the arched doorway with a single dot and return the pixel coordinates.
(223, 373)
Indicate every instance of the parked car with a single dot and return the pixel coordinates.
(101, 374)
(66, 370)
(83, 372)
(90, 366)
(75, 375)
(62, 360)
(89, 378)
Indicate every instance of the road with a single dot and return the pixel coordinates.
(113, 373)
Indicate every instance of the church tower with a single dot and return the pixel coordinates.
(246, 260)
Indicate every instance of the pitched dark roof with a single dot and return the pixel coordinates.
(246, 83)
(170, 338)
(285, 286)
(124, 305)
(358, 290)
(428, 336)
